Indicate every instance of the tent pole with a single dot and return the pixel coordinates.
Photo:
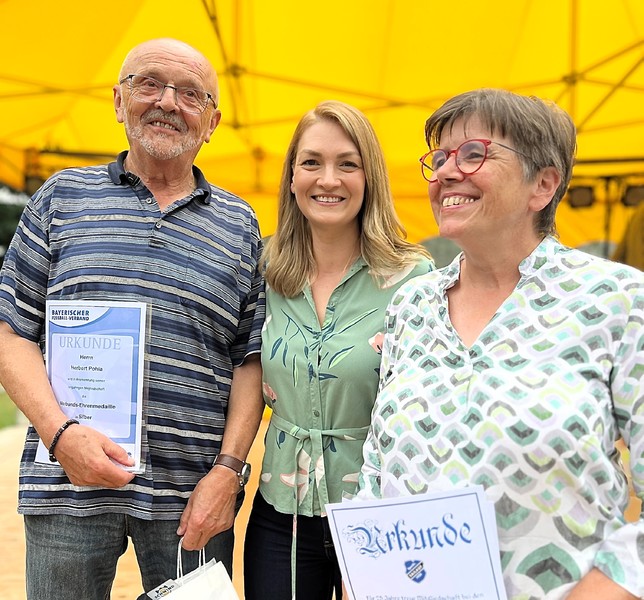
(607, 216)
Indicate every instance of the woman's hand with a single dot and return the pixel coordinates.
(596, 585)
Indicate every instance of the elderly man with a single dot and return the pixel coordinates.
(147, 228)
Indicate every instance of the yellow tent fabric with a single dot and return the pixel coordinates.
(397, 60)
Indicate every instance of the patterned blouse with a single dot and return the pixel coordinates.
(321, 382)
(531, 411)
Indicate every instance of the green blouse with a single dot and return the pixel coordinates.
(321, 383)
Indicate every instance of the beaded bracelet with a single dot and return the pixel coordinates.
(57, 435)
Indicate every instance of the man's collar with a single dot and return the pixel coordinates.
(117, 171)
(120, 176)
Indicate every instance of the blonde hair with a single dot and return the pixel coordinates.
(288, 257)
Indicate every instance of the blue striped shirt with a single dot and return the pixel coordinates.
(97, 233)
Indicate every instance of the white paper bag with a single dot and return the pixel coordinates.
(209, 581)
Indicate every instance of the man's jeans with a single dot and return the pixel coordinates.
(75, 557)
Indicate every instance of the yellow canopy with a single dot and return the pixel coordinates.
(395, 60)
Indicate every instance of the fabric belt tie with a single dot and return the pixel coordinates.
(317, 450)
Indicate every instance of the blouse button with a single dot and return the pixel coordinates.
(149, 200)
(157, 225)
(316, 413)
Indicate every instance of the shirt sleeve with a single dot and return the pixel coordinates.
(253, 307)
(621, 556)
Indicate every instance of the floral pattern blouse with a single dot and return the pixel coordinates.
(321, 382)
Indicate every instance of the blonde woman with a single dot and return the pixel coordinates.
(334, 262)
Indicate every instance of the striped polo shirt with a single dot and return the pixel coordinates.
(96, 233)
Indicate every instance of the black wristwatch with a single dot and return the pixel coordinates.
(240, 467)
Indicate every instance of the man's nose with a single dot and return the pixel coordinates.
(168, 99)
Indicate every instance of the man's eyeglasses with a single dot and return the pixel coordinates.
(470, 156)
(149, 89)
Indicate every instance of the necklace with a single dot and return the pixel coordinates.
(352, 257)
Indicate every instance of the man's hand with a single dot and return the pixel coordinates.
(211, 508)
(86, 455)
(88, 458)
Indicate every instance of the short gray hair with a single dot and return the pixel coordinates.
(537, 128)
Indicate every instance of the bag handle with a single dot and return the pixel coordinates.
(202, 558)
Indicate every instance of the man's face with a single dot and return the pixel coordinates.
(161, 128)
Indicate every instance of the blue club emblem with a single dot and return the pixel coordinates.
(415, 570)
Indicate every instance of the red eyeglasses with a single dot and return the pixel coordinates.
(470, 156)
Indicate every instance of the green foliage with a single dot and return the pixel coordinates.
(9, 216)
(8, 411)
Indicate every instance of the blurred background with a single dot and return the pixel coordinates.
(396, 60)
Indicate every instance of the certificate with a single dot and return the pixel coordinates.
(95, 362)
(437, 546)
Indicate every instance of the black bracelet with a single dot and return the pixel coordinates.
(57, 435)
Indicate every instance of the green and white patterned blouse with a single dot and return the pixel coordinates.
(531, 411)
(321, 382)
